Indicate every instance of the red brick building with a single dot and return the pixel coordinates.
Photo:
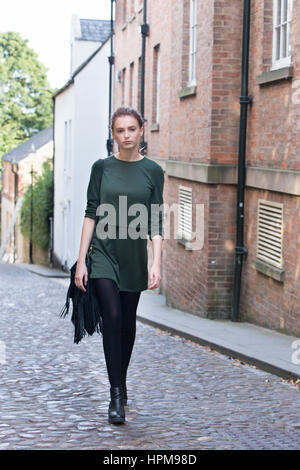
(192, 107)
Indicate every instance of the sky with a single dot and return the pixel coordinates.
(47, 26)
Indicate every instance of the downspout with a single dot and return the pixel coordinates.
(111, 60)
(52, 215)
(144, 33)
(15, 169)
(240, 249)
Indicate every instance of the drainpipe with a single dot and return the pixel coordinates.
(111, 60)
(144, 33)
(15, 167)
(31, 216)
(240, 249)
(51, 218)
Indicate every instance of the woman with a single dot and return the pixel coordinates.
(119, 262)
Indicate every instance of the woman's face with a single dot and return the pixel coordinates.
(127, 132)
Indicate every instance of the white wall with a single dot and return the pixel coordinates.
(86, 103)
(80, 50)
(91, 117)
(63, 179)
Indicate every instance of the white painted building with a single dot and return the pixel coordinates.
(86, 36)
(80, 135)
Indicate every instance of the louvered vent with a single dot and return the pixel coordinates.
(270, 232)
(185, 212)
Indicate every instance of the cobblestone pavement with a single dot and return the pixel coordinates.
(54, 394)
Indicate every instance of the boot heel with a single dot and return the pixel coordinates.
(116, 411)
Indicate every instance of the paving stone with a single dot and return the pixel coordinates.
(55, 394)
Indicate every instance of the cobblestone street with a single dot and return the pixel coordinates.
(54, 394)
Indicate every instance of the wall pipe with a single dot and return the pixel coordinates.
(144, 33)
(245, 100)
(111, 60)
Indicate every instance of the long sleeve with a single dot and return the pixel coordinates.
(93, 190)
(155, 213)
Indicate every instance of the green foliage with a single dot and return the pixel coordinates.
(26, 105)
(42, 208)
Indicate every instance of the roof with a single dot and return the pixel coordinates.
(25, 148)
(95, 30)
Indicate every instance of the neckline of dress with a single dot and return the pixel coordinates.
(126, 161)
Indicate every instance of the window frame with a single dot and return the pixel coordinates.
(192, 43)
(123, 97)
(156, 84)
(67, 148)
(131, 86)
(282, 61)
(125, 11)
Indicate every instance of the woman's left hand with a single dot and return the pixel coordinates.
(154, 276)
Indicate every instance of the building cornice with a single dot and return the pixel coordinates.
(269, 179)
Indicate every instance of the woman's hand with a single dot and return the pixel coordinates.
(154, 276)
(81, 273)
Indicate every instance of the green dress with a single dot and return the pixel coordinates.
(121, 256)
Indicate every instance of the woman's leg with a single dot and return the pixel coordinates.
(129, 303)
(111, 310)
(118, 310)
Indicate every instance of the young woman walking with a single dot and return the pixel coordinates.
(120, 262)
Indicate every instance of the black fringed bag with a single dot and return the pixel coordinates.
(86, 315)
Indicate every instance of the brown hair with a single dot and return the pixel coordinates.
(126, 111)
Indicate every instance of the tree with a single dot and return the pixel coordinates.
(25, 94)
(42, 208)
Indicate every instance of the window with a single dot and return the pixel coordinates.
(124, 11)
(282, 12)
(156, 84)
(193, 42)
(123, 86)
(138, 4)
(270, 232)
(139, 84)
(131, 86)
(67, 148)
(185, 212)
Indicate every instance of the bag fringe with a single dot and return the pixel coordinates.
(86, 314)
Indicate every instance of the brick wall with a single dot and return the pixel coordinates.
(264, 300)
(273, 142)
(204, 128)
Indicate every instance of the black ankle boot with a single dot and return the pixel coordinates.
(124, 394)
(116, 411)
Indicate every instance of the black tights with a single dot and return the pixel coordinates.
(118, 309)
